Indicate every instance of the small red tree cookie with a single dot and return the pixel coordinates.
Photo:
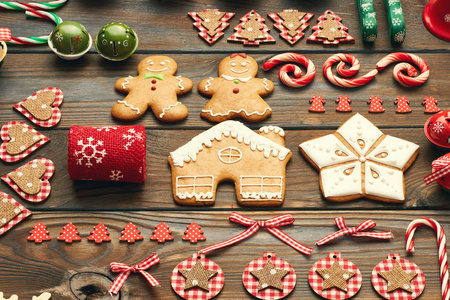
(344, 104)
(99, 234)
(69, 234)
(161, 233)
(430, 105)
(317, 103)
(402, 105)
(193, 233)
(376, 104)
(130, 233)
(39, 233)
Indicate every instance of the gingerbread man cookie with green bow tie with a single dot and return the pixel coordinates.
(155, 87)
(236, 93)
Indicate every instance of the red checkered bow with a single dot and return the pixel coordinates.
(441, 167)
(125, 271)
(355, 231)
(271, 225)
(5, 34)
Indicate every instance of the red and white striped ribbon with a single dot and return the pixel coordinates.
(125, 271)
(443, 265)
(354, 231)
(441, 167)
(271, 225)
(5, 34)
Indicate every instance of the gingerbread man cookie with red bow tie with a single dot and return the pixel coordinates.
(155, 87)
(236, 93)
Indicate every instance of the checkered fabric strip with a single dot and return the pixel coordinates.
(313, 37)
(284, 31)
(354, 231)
(440, 171)
(5, 34)
(204, 32)
(216, 283)
(380, 285)
(316, 281)
(17, 219)
(45, 184)
(235, 37)
(56, 115)
(5, 138)
(251, 282)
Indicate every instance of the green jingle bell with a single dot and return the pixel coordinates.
(70, 40)
(116, 41)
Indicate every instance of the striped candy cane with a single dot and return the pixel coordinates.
(36, 6)
(38, 39)
(442, 249)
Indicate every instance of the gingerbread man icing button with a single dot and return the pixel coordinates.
(236, 92)
(155, 87)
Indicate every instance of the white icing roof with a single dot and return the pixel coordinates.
(237, 130)
(275, 129)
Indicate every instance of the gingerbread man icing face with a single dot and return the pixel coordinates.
(238, 66)
(155, 87)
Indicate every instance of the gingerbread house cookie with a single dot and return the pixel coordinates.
(229, 151)
(358, 160)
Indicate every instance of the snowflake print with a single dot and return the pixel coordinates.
(90, 152)
(399, 36)
(116, 175)
(106, 128)
(398, 11)
(59, 37)
(371, 38)
(77, 39)
(438, 127)
(393, 2)
(396, 21)
(132, 137)
(371, 15)
(365, 6)
(369, 24)
(447, 18)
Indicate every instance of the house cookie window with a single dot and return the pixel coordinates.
(200, 187)
(230, 155)
(255, 188)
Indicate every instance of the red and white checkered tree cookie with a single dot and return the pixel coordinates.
(252, 30)
(270, 270)
(408, 280)
(323, 277)
(69, 234)
(210, 23)
(193, 233)
(11, 212)
(130, 233)
(330, 31)
(291, 23)
(39, 233)
(161, 233)
(191, 290)
(99, 234)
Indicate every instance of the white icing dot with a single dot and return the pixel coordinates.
(20, 174)
(243, 64)
(34, 166)
(326, 276)
(24, 129)
(375, 175)
(29, 184)
(233, 64)
(3, 220)
(291, 25)
(362, 159)
(162, 63)
(345, 276)
(44, 106)
(4, 200)
(408, 271)
(347, 172)
(273, 271)
(264, 285)
(207, 20)
(339, 152)
(35, 137)
(320, 148)
(361, 143)
(406, 286)
(250, 29)
(22, 147)
(341, 178)
(194, 282)
(17, 210)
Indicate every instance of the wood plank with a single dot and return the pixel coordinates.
(302, 187)
(88, 85)
(166, 27)
(28, 268)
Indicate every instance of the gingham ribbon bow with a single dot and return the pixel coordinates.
(354, 231)
(5, 34)
(271, 225)
(442, 167)
(125, 271)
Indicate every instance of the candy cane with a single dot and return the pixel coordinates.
(349, 83)
(298, 81)
(442, 249)
(38, 39)
(406, 80)
(27, 6)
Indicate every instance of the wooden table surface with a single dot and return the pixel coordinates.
(81, 270)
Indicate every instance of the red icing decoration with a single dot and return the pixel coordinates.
(39, 233)
(153, 81)
(161, 233)
(99, 234)
(69, 234)
(153, 88)
(430, 105)
(376, 104)
(344, 104)
(243, 55)
(193, 233)
(130, 233)
(235, 90)
(402, 105)
(317, 103)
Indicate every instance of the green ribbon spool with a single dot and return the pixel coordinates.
(397, 29)
(368, 21)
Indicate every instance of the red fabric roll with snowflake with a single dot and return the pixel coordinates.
(115, 153)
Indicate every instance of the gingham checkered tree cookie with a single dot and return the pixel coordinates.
(291, 23)
(335, 278)
(197, 278)
(330, 31)
(11, 212)
(252, 30)
(210, 23)
(269, 277)
(42, 108)
(398, 279)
